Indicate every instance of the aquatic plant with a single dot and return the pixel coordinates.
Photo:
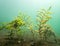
(45, 30)
(14, 27)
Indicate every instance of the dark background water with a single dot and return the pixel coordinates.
(9, 9)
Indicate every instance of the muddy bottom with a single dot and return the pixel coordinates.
(17, 42)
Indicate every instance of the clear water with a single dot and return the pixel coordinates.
(10, 9)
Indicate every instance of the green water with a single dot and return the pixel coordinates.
(10, 9)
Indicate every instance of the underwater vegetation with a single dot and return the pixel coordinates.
(45, 29)
(22, 23)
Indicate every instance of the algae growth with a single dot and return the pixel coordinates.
(22, 24)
